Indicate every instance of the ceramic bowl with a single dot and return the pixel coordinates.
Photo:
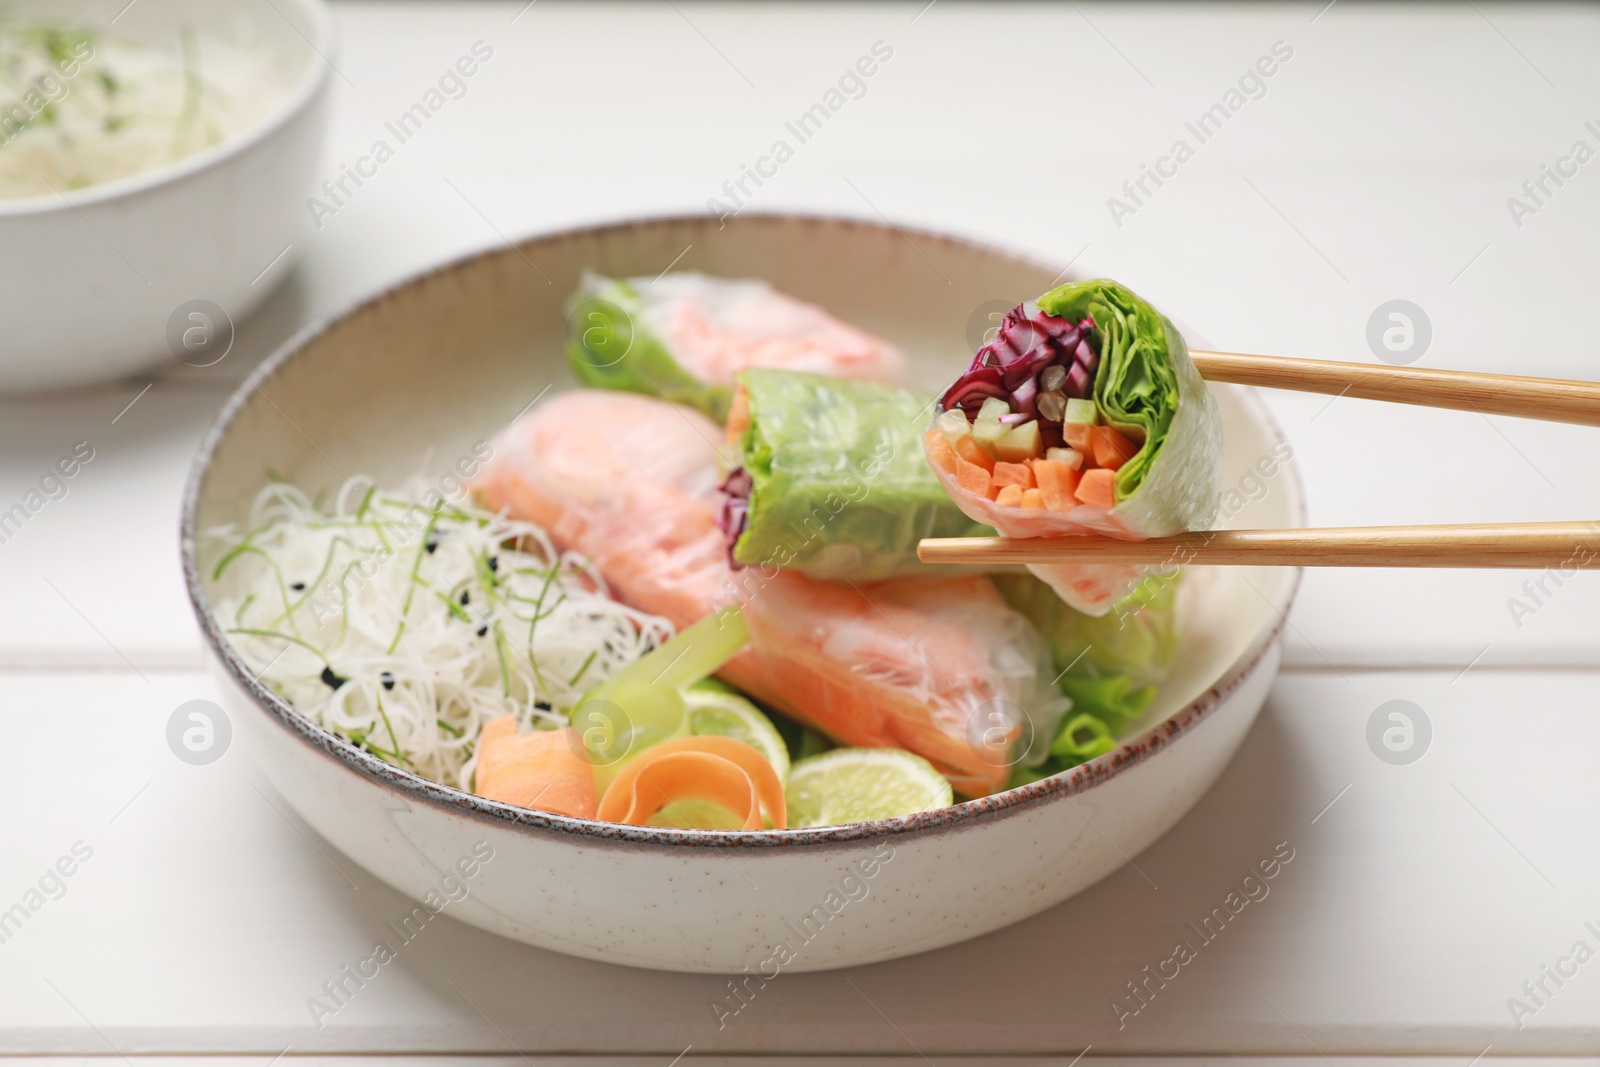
(446, 359)
(95, 276)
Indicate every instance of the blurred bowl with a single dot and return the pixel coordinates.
(94, 277)
(448, 358)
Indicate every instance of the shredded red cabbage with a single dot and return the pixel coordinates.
(1008, 367)
(733, 517)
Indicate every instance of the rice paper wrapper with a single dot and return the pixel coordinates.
(1111, 666)
(1137, 639)
(682, 337)
(1179, 491)
(941, 667)
(839, 488)
(565, 463)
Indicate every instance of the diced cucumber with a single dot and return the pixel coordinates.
(987, 429)
(1019, 443)
(953, 424)
(993, 409)
(1081, 411)
(987, 435)
(1070, 456)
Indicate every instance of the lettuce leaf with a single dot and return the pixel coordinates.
(1136, 388)
(610, 347)
(1135, 640)
(1110, 665)
(839, 485)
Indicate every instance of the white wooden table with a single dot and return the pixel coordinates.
(1376, 166)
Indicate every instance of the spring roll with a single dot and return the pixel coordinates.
(1085, 415)
(1110, 665)
(682, 337)
(940, 667)
(831, 480)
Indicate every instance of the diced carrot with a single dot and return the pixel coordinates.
(546, 770)
(722, 770)
(1018, 474)
(1097, 487)
(974, 479)
(1076, 435)
(940, 454)
(1111, 449)
(738, 414)
(1010, 496)
(1057, 483)
(1032, 500)
(972, 452)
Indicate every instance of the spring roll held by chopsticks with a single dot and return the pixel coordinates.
(1084, 415)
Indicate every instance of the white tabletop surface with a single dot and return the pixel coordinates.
(1376, 166)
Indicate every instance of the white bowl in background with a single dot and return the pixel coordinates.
(93, 276)
(446, 359)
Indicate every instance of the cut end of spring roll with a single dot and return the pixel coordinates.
(1084, 415)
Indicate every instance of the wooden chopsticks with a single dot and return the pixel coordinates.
(1548, 399)
(1564, 545)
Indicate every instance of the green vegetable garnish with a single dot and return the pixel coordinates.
(1109, 665)
(643, 704)
(1135, 640)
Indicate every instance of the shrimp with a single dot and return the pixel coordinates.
(683, 338)
(940, 667)
(562, 468)
(717, 328)
(629, 482)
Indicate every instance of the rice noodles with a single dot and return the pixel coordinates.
(405, 623)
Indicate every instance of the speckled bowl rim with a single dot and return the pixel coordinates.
(1135, 751)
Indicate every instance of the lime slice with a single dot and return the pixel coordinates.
(857, 784)
(692, 813)
(715, 708)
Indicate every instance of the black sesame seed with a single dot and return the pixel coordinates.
(331, 680)
(542, 705)
(298, 586)
(465, 599)
(387, 679)
(494, 563)
(483, 629)
(432, 542)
